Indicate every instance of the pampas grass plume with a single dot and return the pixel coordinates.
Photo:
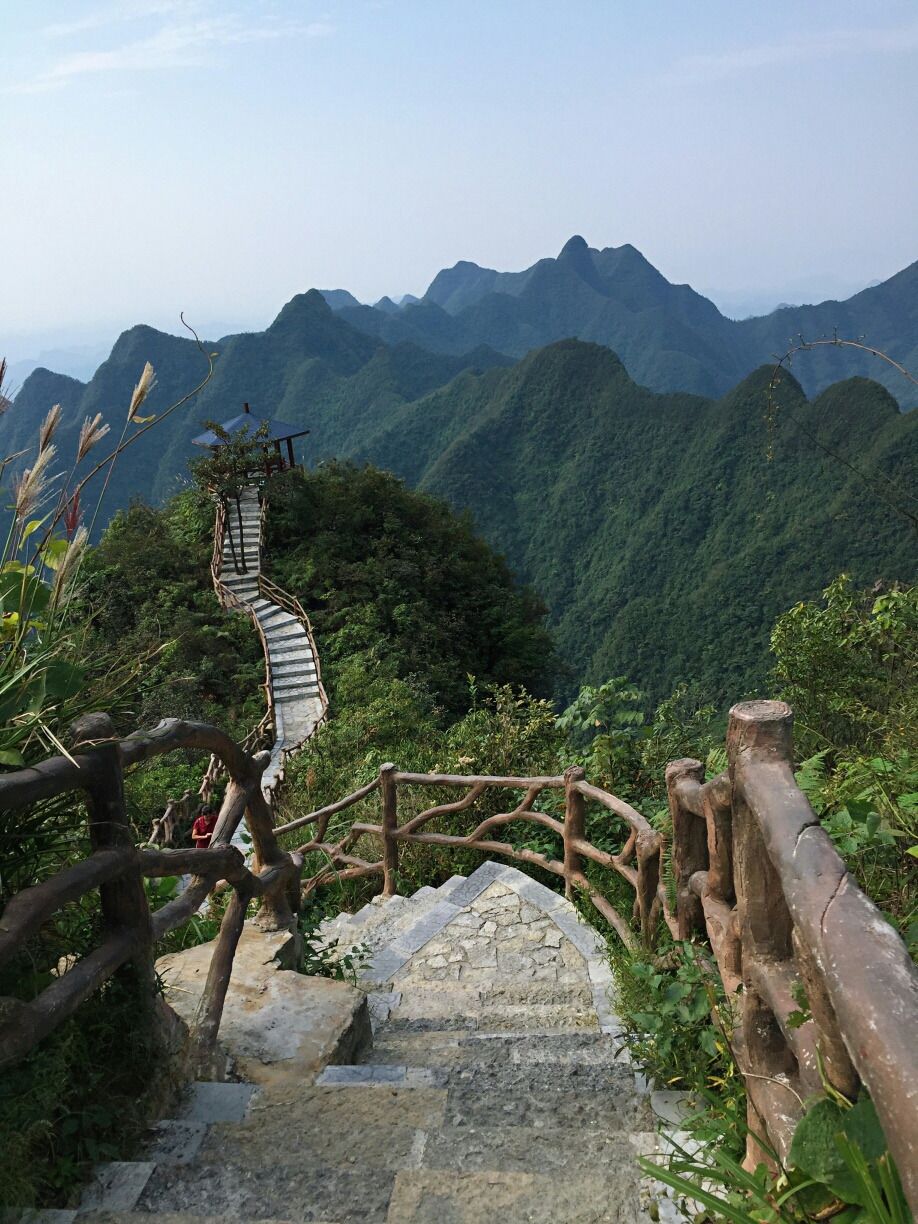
(141, 391)
(30, 487)
(91, 433)
(48, 426)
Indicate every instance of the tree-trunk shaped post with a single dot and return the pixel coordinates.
(389, 790)
(123, 902)
(690, 847)
(574, 827)
(648, 847)
(760, 733)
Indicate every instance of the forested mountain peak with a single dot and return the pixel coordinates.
(670, 337)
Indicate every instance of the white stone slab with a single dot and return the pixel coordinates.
(116, 1186)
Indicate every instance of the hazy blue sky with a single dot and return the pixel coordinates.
(218, 156)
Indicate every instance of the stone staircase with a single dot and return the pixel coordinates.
(496, 1088)
(292, 666)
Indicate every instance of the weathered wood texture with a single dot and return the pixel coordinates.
(643, 844)
(754, 872)
(758, 874)
(116, 867)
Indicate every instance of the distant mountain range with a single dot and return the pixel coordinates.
(665, 529)
(309, 367)
(669, 337)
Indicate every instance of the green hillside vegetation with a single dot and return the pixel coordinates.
(393, 578)
(665, 532)
(669, 337)
(407, 602)
(309, 367)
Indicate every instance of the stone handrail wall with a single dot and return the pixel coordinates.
(117, 868)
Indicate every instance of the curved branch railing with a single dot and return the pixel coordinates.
(754, 871)
(117, 868)
(639, 861)
(756, 874)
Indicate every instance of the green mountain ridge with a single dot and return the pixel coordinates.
(669, 337)
(309, 367)
(665, 532)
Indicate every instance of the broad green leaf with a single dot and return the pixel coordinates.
(54, 552)
(63, 680)
(9, 756)
(862, 1126)
(37, 695)
(814, 1151)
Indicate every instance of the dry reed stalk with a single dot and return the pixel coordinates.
(29, 488)
(141, 391)
(48, 426)
(91, 432)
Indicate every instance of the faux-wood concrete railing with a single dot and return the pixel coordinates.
(759, 877)
(117, 868)
(756, 872)
(638, 861)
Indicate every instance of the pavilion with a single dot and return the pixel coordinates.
(278, 432)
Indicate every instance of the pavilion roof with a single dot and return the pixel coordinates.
(278, 431)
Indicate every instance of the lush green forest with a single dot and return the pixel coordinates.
(666, 532)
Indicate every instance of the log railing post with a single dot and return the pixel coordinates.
(389, 790)
(648, 845)
(761, 732)
(123, 901)
(206, 1023)
(275, 913)
(574, 827)
(690, 847)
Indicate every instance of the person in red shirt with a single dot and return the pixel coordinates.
(203, 827)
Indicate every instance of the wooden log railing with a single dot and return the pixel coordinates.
(754, 871)
(639, 860)
(117, 868)
(756, 875)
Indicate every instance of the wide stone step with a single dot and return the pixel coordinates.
(304, 667)
(291, 696)
(291, 649)
(286, 679)
(283, 633)
(274, 617)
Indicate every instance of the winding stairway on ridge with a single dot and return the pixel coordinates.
(292, 666)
